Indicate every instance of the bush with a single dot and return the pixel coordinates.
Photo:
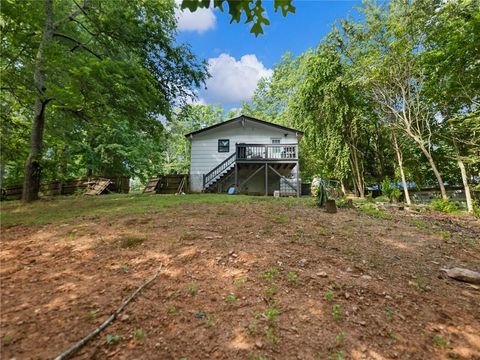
(445, 206)
(390, 190)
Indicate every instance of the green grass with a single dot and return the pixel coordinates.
(65, 208)
(373, 212)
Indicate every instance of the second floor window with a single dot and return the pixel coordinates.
(224, 145)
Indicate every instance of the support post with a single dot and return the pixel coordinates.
(266, 179)
(236, 176)
(299, 185)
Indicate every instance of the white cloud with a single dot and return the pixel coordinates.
(233, 81)
(200, 21)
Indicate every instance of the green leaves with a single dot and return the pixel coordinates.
(253, 10)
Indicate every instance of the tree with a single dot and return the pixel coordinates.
(94, 63)
(188, 118)
(252, 9)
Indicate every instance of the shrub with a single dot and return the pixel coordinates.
(390, 190)
(443, 205)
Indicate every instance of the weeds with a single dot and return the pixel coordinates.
(419, 224)
(7, 339)
(112, 339)
(209, 320)
(240, 281)
(271, 314)
(293, 278)
(270, 292)
(336, 312)
(231, 298)
(340, 338)
(171, 309)
(373, 212)
(329, 296)
(269, 275)
(440, 341)
(92, 314)
(280, 219)
(254, 357)
(446, 206)
(389, 313)
(270, 335)
(138, 335)
(192, 289)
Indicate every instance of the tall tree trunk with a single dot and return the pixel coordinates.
(461, 165)
(400, 166)
(342, 186)
(31, 183)
(429, 157)
(357, 174)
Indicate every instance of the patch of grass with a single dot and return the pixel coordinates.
(280, 219)
(130, 242)
(271, 314)
(336, 312)
(373, 212)
(256, 357)
(240, 281)
(446, 235)
(138, 335)
(63, 208)
(209, 320)
(270, 292)
(7, 339)
(230, 298)
(192, 289)
(329, 295)
(419, 224)
(269, 275)
(389, 313)
(92, 314)
(270, 335)
(337, 356)
(112, 339)
(171, 309)
(440, 342)
(293, 278)
(340, 338)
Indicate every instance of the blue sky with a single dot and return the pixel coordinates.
(237, 59)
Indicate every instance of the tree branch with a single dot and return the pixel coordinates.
(79, 44)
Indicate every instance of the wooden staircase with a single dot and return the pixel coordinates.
(219, 173)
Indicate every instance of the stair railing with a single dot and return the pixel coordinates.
(216, 171)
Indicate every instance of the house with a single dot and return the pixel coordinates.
(256, 156)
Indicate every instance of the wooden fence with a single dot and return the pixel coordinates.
(167, 184)
(68, 187)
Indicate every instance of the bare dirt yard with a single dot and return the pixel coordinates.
(241, 278)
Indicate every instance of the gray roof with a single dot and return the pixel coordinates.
(244, 117)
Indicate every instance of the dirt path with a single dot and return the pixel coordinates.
(243, 281)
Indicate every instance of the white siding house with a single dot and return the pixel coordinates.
(256, 156)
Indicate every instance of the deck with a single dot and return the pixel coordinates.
(248, 153)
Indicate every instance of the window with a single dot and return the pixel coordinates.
(277, 150)
(223, 145)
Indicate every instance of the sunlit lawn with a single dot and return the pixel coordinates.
(63, 208)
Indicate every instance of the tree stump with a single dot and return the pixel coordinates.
(331, 206)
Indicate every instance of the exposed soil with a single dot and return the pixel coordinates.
(367, 288)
